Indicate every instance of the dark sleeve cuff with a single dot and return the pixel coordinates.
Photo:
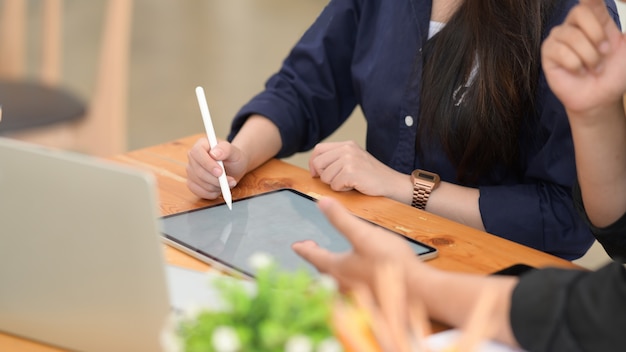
(612, 237)
(570, 310)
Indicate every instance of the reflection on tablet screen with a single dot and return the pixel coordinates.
(269, 223)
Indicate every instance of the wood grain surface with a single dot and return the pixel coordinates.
(461, 248)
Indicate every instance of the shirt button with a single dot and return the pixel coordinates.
(408, 120)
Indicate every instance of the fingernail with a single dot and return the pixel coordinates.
(599, 68)
(216, 153)
(604, 47)
(216, 172)
(232, 184)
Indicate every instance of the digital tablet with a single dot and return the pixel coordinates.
(266, 223)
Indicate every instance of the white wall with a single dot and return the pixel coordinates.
(621, 7)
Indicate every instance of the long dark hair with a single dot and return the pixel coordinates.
(479, 81)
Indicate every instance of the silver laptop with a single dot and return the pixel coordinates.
(81, 262)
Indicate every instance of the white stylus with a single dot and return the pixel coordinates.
(210, 133)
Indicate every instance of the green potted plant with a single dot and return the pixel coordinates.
(283, 311)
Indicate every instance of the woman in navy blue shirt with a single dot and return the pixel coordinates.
(450, 87)
(548, 309)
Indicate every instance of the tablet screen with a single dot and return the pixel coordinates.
(268, 223)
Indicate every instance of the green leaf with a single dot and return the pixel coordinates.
(286, 304)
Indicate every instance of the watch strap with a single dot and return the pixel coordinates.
(420, 197)
(424, 182)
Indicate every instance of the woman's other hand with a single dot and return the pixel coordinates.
(346, 166)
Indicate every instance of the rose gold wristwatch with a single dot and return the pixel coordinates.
(424, 182)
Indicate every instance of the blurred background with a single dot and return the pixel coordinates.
(230, 47)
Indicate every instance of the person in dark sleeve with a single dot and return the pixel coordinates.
(546, 309)
(591, 84)
(585, 65)
(611, 237)
(456, 125)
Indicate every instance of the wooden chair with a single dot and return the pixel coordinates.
(40, 110)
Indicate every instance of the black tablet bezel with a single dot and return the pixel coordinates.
(231, 268)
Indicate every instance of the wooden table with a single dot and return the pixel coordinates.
(461, 248)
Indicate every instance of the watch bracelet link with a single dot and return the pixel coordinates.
(420, 198)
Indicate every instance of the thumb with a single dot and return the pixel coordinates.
(221, 151)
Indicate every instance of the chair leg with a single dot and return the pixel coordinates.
(105, 128)
(103, 131)
(13, 39)
(52, 42)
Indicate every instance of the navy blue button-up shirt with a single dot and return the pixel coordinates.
(369, 53)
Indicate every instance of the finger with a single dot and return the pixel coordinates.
(337, 162)
(321, 148)
(329, 172)
(600, 11)
(311, 252)
(313, 169)
(232, 182)
(598, 7)
(574, 49)
(319, 159)
(200, 159)
(202, 191)
(389, 279)
(199, 150)
(563, 58)
(202, 144)
(588, 26)
(325, 153)
(199, 171)
(225, 152)
(338, 176)
(354, 229)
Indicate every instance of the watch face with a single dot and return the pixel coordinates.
(426, 176)
(423, 183)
